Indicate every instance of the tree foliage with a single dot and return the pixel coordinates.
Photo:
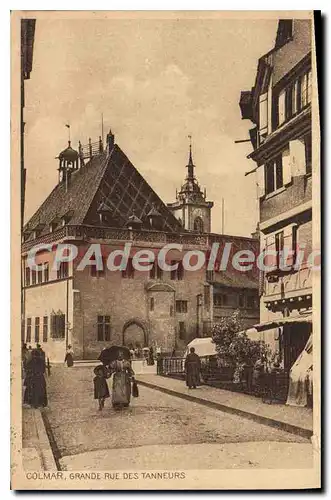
(233, 346)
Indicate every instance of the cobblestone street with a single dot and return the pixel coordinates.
(159, 431)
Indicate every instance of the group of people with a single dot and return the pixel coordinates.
(146, 354)
(34, 368)
(123, 378)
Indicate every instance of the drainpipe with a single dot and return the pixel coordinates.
(67, 313)
(199, 301)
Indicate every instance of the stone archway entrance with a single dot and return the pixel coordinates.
(134, 334)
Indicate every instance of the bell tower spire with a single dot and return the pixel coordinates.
(190, 165)
(191, 206)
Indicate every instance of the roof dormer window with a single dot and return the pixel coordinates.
(66, 217)
(284, 32)
(38, 230)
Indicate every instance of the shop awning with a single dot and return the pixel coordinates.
(301, 318)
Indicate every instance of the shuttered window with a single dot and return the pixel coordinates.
(28, 330)
(177, 274)
(45, 328)
(129, 271)
(103, 328)
(281, 107)
(181, 306)
(155, 272)
(274, 178)
(46, 272)
(63, 271)
(102, 265)
(263, 114)
(308, 154)
(37, 330)
(58, 326)
(27, 276)
(305, 90)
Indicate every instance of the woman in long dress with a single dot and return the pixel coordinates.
(69, 358)
(35, 385)
(122, 378)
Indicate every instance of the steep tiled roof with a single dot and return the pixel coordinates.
(77, 199)
(108, 179)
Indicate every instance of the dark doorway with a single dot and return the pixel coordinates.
(295, 337)
(134, 334)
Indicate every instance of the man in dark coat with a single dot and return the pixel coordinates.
(192, 369)
(35, 384)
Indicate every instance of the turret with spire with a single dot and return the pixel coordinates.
(68, 163)
(191, 206)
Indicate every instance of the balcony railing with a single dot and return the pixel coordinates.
(87, 233)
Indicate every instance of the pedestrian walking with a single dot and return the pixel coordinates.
(258, 376)
(151, 356)
(101, 391)
(35, 385)
(29, 353)
(42, 353)
(25, 356)
(192, 369)
(69, 357)
(122, 378)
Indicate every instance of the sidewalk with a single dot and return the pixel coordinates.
(36, 450)
(288, 418)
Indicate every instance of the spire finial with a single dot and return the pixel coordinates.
(190, 161)
(190, 165)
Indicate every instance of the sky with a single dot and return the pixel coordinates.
(156, 81)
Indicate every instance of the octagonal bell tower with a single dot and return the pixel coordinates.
(191, 207)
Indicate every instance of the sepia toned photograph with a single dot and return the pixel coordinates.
(165, 250)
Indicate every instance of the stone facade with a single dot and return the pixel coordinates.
(106, 202)
(160, 311)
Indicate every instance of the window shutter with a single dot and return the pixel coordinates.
(287, 170)
(270, 260)
(263, 113)
(53, 325)
(295, 98)
(281, 107)
(297, 157)
(260, 181)
(290, 243)
(261, 283)
(269, 108)
(62, 325)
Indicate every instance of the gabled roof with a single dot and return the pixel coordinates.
(76, 200)
(109, 179)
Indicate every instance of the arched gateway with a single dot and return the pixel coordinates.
(134, 334)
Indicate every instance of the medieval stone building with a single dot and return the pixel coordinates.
(102, 199)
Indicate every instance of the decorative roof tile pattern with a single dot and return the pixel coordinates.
(76, 199)
(108, 179)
